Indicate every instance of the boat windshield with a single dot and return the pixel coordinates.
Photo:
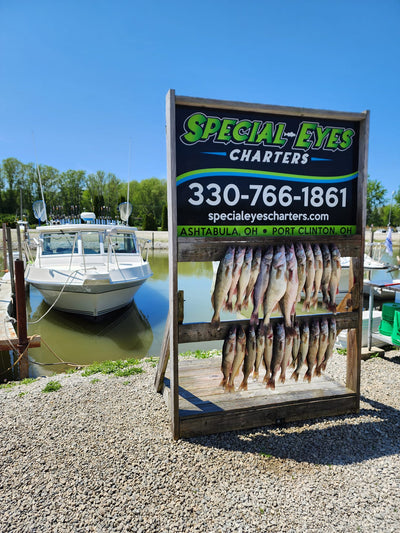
(90, 242)
(59, 243)
(123, 243)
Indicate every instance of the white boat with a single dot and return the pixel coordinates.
(375, 271)
(378, 340)
(88, 269)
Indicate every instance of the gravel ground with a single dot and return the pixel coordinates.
(98, 456)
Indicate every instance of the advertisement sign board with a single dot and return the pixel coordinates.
(262, 174)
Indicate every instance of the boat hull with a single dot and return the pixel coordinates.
(94, 301)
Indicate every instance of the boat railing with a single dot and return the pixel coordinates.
(72, 254)
(111, 249)
(143, 245)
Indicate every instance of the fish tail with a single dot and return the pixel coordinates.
(317, 371)
(266, 377)
(229, 306)
(307, 376)
(332, 308)
(271, 383)
(230, 387)
(216, 319)
(243, 385)
(295, 375)
(323, 365)
(290, 331)
(282, 378)
(223, 382)
(306, 305)
(254, 318)
(256, 374)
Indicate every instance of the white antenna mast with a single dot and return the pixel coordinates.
(40, 178)
(129, 166)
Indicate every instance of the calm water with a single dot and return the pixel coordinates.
(135, 332)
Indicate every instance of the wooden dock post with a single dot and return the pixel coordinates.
(21, 318)
(11, 269)
(5, 246)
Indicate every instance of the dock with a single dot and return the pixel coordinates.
(204, 406)
(8, 335)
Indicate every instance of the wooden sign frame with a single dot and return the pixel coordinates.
(298, 404)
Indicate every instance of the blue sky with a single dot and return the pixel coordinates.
(90, 76)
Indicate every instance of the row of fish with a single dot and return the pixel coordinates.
(312, 344)
(276, 277)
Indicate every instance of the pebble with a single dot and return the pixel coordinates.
(99, 457)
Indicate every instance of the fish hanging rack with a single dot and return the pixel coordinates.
(198, 406)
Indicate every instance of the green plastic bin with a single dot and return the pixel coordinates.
(396, 329)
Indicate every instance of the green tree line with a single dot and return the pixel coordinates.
(383, 207)
(73, 191)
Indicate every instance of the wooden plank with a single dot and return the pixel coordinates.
(218, 422)
(192, 404)
(172, 258)
(209, 249)
(164, 356)
(203, 331)
(273, 109)
(200, 386)
(11, 343)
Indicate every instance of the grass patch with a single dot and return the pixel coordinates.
(52, 386)
(8, 385)
(153, 361)
(11, 384)
(201, 354)
(118, 368)
(26, 381)
(341, 351)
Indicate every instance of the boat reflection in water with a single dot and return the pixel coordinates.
(122, 334)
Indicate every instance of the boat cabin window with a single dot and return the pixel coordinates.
(59, 243)
(90, 242)
(122, 243)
